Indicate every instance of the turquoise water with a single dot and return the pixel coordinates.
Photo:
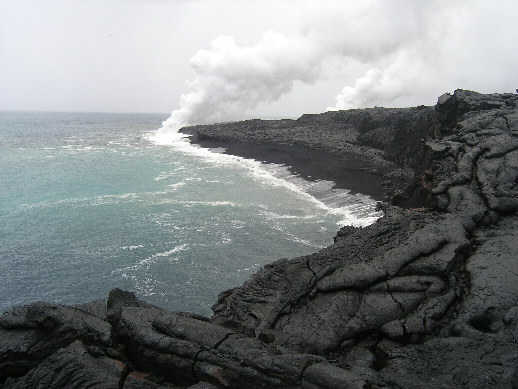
(89, 202)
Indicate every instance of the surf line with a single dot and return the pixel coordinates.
(355, 210)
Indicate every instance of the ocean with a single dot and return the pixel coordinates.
(94, 201)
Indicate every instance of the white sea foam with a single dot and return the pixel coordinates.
(192, 203)
(296, 239)
(226, 239)
(133, 247)
(167, 253)
(304, 242)
(80, 148)
(141, 272)
(91, 201)
(145, 264)
(321, 193)
(250, 269)
(177, 185)
(147, 286)
(145, 283)
(164, 176)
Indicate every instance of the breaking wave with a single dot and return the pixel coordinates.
(352, 209)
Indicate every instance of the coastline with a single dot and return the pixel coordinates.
(379, 152)
(425, 297)
(348, 173)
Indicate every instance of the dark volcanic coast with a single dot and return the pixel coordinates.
(426, 297)
(364, 150)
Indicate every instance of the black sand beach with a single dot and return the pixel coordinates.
(346, 172)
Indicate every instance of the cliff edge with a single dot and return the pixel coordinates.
(426, 297)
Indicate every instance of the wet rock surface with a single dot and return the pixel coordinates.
(427, 297)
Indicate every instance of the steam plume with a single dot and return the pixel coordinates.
(408, 53)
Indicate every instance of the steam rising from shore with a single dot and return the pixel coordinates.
(231, 78)
(387, 50)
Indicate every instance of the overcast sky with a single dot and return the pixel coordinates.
(212, 60)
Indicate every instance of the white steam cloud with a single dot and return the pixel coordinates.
(407, 52)
(231, 78)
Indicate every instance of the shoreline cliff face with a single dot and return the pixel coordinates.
(374, 151)
(425, 297)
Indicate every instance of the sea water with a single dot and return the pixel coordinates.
(94, 201)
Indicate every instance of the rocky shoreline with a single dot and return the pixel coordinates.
(371, 151)
(426, 297)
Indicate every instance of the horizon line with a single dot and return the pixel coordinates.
(79, 111)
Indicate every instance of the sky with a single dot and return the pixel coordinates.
(208, 61)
